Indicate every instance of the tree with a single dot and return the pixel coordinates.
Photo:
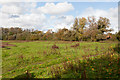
(83, 29)
(78, 27)
(98, 28)
(60, 34)
(92, 31)
(103, 23)
(34, 37)
(82, 23)
(49, 35)
(66, 34)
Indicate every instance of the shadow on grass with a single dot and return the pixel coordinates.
(26, 76)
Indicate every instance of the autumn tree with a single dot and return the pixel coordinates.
(103, 24)
(78, 27)
(82, 23)
(60, 34)
(48, 35)
(83, 30)
(66, 34)
(93, 30)
(97, 29)
(34, 37)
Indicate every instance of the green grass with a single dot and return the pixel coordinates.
(39, 58)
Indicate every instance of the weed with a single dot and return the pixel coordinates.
(55, 47)
(21, 57)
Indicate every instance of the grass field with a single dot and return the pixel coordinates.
(88, 60)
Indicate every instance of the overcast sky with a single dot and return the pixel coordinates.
(54, 15)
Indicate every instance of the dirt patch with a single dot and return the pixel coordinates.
(6, 44)
(101, 41)
(19, 41)
(64, 42)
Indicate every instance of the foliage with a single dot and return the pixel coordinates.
(83, 29)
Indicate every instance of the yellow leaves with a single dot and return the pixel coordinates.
(111, 55)
(109, 70)
(67, 58)
(93, 69)
(68, 61)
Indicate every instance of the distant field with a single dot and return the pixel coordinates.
(65, 60)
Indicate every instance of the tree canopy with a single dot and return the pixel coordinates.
(83, 29)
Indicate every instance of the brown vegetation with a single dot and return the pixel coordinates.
(55, 47)
(75, 45)
(4, 45)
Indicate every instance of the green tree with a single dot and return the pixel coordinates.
(103, 25)
(97, 29)
(78, 27)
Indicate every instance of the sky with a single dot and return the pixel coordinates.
(54, 15)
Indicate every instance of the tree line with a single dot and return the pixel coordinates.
(84, 29)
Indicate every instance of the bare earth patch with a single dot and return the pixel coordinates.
(5, 44)
(20, 41)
